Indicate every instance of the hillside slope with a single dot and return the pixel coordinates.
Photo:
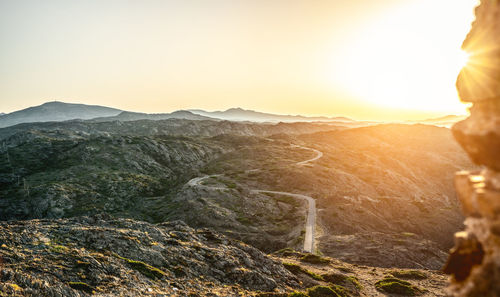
(104, 256)
(239, 114)
(56, 111)
(384, 193)
(117, 257)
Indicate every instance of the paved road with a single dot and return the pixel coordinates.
(311, 216)
(318, 154)
(311, 213)
(197, 182)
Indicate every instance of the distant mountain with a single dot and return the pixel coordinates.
(135, 116)
(239, 114)
(56, 111)
(445, 121)
(448, 118)
(59, 111)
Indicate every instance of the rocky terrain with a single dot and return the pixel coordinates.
(384, 193)
(380, 190)
(171, 127)
(62, 173)
(102, 256)
(65, 173)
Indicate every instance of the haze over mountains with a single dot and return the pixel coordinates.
(239, 114)
(56, 111)
(383, 193)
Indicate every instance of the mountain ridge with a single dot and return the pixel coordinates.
(56, 111)
(240, 114)
(135, 116)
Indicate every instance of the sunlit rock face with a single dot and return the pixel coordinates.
(474, 263)
(480, 80)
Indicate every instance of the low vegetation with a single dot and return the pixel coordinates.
(322, 291)
(146, 269)
(397, 286)
(296, 269)
(350, 282)
(314, 259)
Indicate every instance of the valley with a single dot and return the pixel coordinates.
(378, 196)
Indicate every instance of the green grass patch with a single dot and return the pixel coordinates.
(296, 269)
(314, 259)
(298, 294)
(58, 248)
(322, 291)
(287, 252)
(351, 282)
(293, 268)
(396, 286)
(341, 291)
(144, 268)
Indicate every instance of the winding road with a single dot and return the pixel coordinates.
(311, 216)
(311, 211)
(318, 154)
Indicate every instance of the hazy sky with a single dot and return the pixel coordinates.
(378, 59)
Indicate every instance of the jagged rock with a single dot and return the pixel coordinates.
(78, 256)
(475, 260)
(479, 81)
(479, 135)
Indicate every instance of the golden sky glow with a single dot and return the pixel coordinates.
(383, 59)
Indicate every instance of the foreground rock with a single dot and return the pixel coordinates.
(119, 257)
(321, 276)
(474, 263)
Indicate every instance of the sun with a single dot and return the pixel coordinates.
(402, 61)
(463, 59)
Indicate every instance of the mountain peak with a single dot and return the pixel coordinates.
(54, 103)
(236, 109)
(56, 111)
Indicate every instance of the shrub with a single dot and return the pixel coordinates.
(351, 282)
(314, 259)
(397, 286)
(287, 252)
(146, 269)
(344, 269)
(341, 291)
(293, 268)
(296, 269)
(322, 291)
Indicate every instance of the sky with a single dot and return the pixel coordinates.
(366, 59)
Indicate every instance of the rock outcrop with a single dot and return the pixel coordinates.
(120, 257)
(475, 261)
